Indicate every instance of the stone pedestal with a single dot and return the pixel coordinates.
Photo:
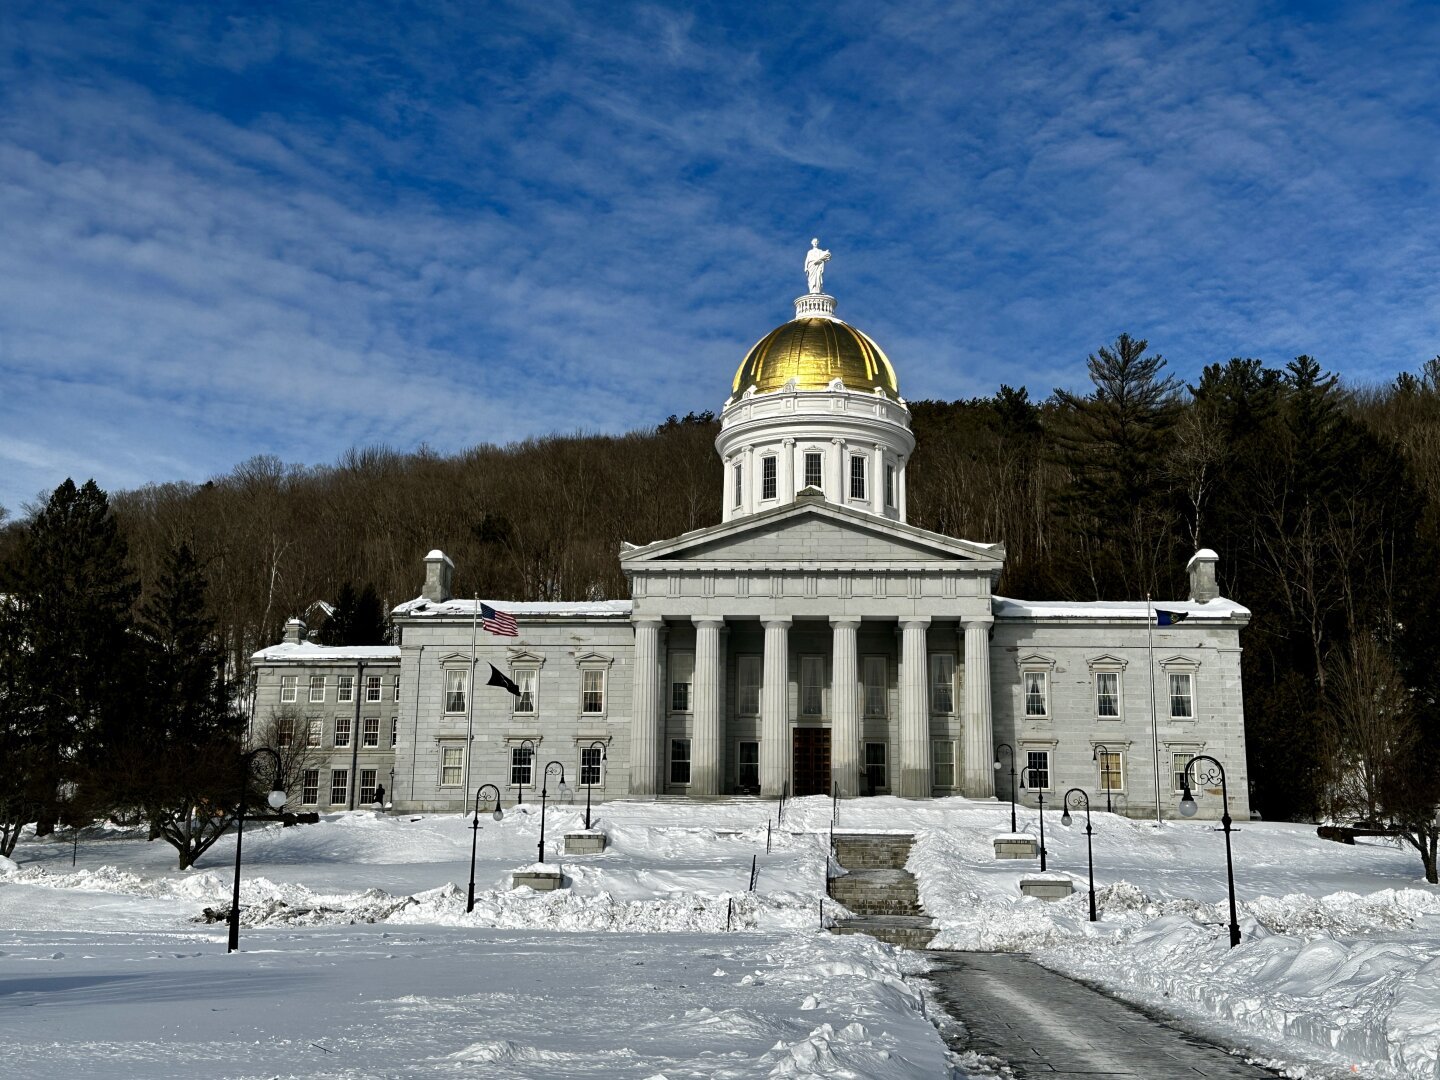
(1016, 847)
(539, 880)
(1047, 888)
(584, 843)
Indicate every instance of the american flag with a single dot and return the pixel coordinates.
(498, 622)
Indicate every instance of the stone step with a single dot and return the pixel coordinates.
(858, 851)
(909, 932)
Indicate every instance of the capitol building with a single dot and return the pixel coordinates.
(812, 641)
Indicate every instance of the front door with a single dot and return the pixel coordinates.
(812, 761)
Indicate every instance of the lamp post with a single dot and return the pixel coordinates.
(1214, 771)
(520, 787)
(1101, 748)
(475, 835)
(1011, 751)
(544, 793)
(589, 783)
(1040, 795)
(276, 799)
(1089, 850)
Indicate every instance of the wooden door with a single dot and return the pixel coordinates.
(812, 761)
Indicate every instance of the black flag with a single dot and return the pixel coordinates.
(499, 678)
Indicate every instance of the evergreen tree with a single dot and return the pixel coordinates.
(356, 618)
(72, 593)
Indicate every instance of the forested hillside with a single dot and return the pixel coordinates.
(1322, 501)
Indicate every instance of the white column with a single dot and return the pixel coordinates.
(787, 473)
(838, 498)
(705, 742)
(728, 495)
(845, 705)
(645, 716)
(877, 481)
(751, 481)
(978, 746)
(914, 709)
(900, 484)
(775, 749)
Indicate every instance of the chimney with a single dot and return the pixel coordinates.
(1201, 568)
(294, 631)
(439, 570)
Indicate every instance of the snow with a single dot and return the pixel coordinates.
(359, 959)
(308, 650)
(1115, 610)
(586, 609)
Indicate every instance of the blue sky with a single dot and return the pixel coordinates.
(229, 230)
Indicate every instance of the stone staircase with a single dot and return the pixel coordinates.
(879, 889)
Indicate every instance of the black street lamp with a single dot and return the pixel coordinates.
(1089, 850)
(544, 792)
(1011, 751)
(475, 835)
(276, 799)
(1039, 794)
(1101, 748)
(1214, 771)
(584, 776)
(529, 765)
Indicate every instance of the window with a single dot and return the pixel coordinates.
(394, 731)
(457, 681)
(942, 763)
(339, 786)
(289, 688)
(874, 766)
(857, 477)
(397, 688)
(1037, 693)
(812, 685)
(525, 700)
(874, 678)
(739, 484)
(679, 761)
(1037, 772)
(315, 734)
(815, 469)
(890, 486)
(317, 688)
(767, 477)
(342, 731)
(747, 771)
(452, 766)
(748, 685)
(942, 683)
(310, 787)
(522, 758)
(373, 689)
(592, 764)
(367, 786)
(592, 690)
(1182, 701)
(370, 733)
(682, 680)
(1107, 693)
(284, 731)
(1112, 771)
(345, 688)
(1178, 762)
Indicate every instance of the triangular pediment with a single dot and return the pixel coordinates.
(814, 533)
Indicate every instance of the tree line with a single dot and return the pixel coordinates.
(1322, 500)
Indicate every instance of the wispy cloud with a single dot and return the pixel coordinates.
(230, 231)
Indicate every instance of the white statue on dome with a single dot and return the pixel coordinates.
(815, 260)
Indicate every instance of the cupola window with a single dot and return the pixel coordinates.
(814, 469)
(739, 484)
(857, 477)
(767, 477)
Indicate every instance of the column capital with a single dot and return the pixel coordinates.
(788, 442)
(781, 621)
(977, 622)
(708, 620)
(845, 620)
(914, 622)
(650, 622)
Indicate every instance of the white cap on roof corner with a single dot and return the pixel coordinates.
(1204, 554)
(438, 554)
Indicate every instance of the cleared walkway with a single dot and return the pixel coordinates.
(1045, 1025)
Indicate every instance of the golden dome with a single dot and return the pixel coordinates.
(814, 352)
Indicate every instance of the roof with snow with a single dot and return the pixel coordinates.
(1117, 610)
(308, 651)
(534, 609)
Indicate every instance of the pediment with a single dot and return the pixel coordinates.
(809, 534)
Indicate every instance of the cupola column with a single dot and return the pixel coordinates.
(775, 751)
(877, 481)
(787, 473)
(978, 744)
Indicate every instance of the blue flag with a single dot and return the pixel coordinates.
(1170, 618)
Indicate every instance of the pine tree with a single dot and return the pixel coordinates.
(356, 618)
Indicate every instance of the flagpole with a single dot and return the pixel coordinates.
(470, 700)
(1154, 725)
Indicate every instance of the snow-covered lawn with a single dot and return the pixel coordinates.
(358, 958)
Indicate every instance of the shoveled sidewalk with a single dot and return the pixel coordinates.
(1045, 1025)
